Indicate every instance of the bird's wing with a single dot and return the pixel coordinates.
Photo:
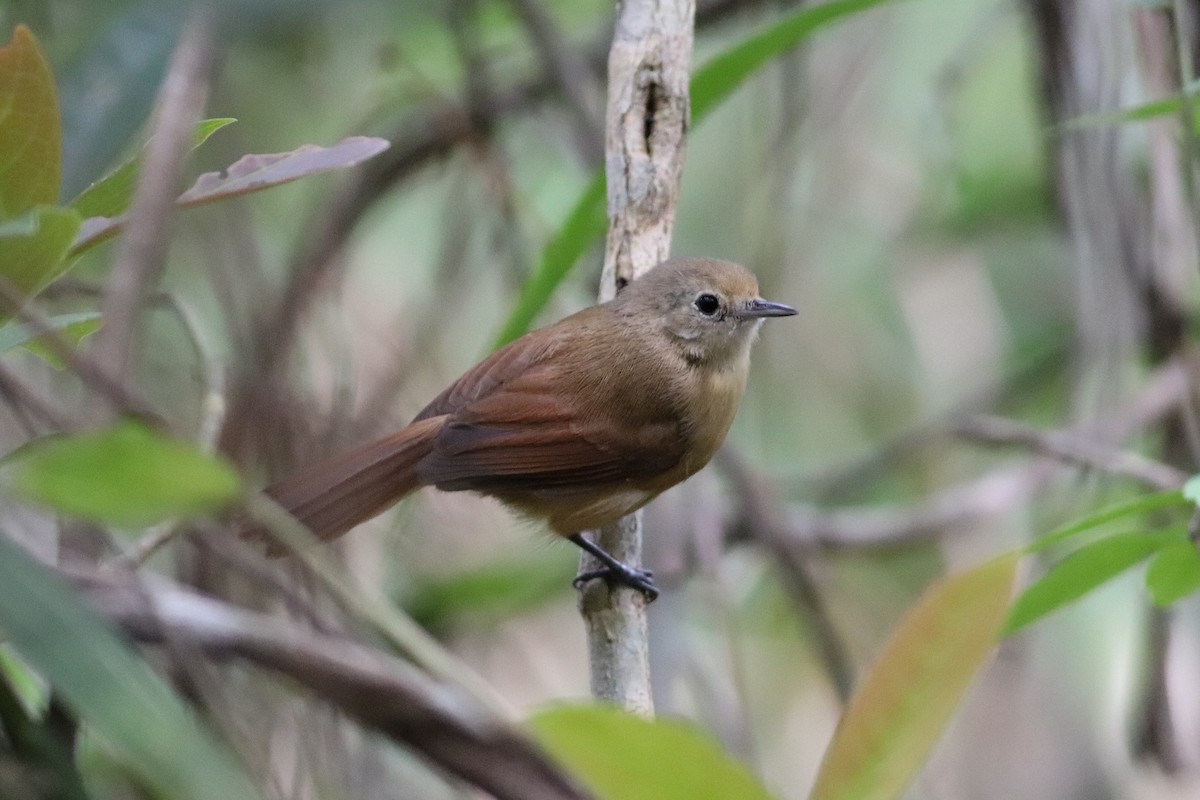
(493, 372)
(515, 424)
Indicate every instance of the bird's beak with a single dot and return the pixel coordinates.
(766, 308)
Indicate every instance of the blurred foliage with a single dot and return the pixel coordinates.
(896, 185)
(620, 755)
(900, 709)
(127, 475)
(111, 688)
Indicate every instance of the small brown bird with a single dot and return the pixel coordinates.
(576, 424)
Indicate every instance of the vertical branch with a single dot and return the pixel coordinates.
(143, 249)
(647, 118)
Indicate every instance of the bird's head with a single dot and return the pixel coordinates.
(709, 309)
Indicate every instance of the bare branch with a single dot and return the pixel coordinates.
(143, 249)
(885, 526)
(438, 720)
(1074, 448)
(760, 510)
(21, 396)
(113, 392)
(570, 73)
(648, 73)
(994, 493)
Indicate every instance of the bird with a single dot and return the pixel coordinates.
(576, 424)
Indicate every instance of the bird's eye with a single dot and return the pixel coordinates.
(707, 304)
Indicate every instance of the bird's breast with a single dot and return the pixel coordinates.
(712, 398)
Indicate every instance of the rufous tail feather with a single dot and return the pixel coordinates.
(333, 496)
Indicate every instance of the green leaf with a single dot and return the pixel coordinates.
(43, 755)
(15, 335)
(74, 333)
(112, 690)
(1082, 571)
(717, 79)
(711, 84)
(127, 475)
(1174, 573)
(250, 173)
(1128, 508)
(30, 130)
(1167, 107)
(624, 757)
(31, 262)
(111, 195)
(904, 703)
(583, 226)
(494, 592)
(34, 696)
(207, 127)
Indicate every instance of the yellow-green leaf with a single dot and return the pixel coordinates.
(30, 129)
(624, 757)
(32, 259)
(1174, 573)
(111, 195)
(126, 475)
(1084, 570)
(1138, 505)
(71, 333)
(73, 326)
(900, 710)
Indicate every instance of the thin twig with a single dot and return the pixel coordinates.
(878, 527)
(761, 510)
(393, 625)
(1074, 448)
(570, 73)
(143, 248)
(114, 393)
(994, 493)
(22, 396)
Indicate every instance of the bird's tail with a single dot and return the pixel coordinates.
(333, 496)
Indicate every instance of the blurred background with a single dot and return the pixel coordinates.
(945, 191)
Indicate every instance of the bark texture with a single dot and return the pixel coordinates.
(647, 118)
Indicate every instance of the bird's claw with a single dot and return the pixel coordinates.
(639, 579)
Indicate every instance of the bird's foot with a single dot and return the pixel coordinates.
(639, 579)
(614, 571)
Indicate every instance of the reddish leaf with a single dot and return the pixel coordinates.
(904, 703)
(250, 173)
(30, 134)
(253, 172)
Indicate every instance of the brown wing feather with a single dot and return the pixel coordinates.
(553, 456)
(517, 423)
(492, 373)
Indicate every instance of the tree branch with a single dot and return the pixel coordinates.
(438, 720)
(1073, 448)
(143, 248)
(648, 72)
